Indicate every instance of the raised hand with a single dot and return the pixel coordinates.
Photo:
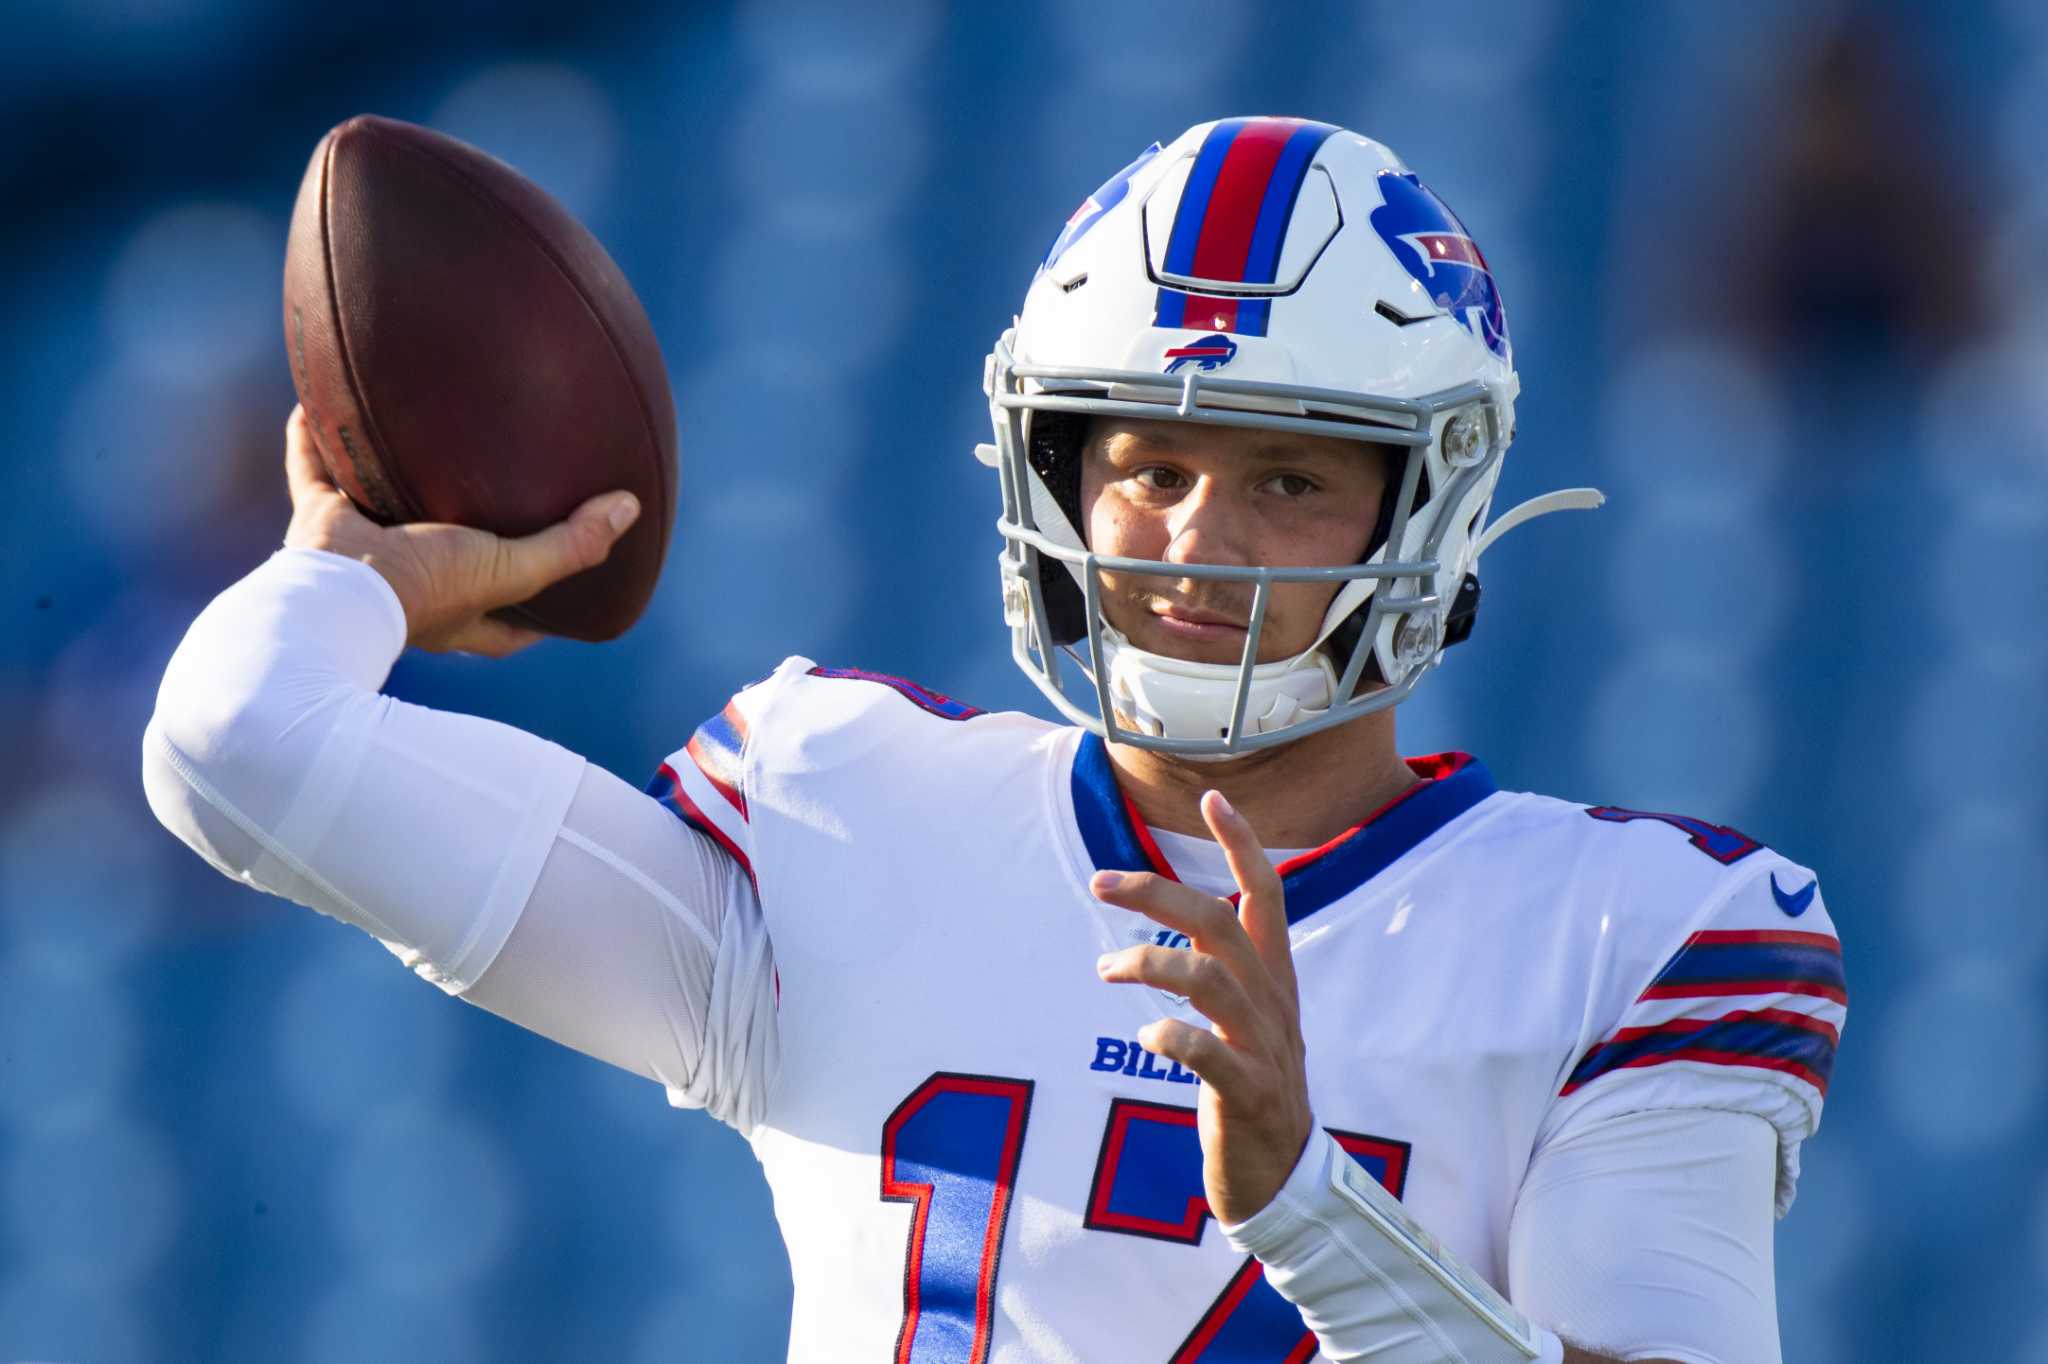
(1253, 1113)
(449, 578)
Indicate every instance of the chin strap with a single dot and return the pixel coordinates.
(1172, 698)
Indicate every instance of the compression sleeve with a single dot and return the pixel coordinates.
(499, 866)
(1648, 1236)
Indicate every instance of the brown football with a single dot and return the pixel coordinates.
(466, 351)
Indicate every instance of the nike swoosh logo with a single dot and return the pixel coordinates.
(1794, 904)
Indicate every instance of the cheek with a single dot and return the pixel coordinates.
(1116, 527)
(1297, 609)
(1336, 537)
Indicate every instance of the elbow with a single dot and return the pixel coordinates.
(193, 781)
(185, 804)
(209, 753)
(203, 730)
(246, 711)
(167, 785)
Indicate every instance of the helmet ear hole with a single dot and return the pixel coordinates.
(1066, 610)
(1396, 459)
(1345, 637)
(1054, 443)
(1056, 440)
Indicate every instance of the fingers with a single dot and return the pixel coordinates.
(1197, 977)
(489, 638)
(1262, 904)
(1210, 922)
(1224, 976)
(448, 577)
(303, 472)
(1198, 1050)
(526, 566)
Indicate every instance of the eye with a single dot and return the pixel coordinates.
(1291, 485)
(1159, 478)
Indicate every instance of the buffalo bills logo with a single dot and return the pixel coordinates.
(1095, 205)
(1433, 246)
(1211, 352)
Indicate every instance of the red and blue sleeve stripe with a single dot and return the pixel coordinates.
(1769, 1039)
(924, 698)
(1231, 223)
(716, 748)
(667, 787)
(1753, 962)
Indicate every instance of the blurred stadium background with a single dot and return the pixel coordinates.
(1776, 275)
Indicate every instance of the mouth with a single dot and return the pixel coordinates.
(1187, 623)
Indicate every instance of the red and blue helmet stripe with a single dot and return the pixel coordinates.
(1232, 220)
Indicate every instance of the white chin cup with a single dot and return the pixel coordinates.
(1171, 698)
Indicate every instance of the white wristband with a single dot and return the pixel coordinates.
(1371, 1282)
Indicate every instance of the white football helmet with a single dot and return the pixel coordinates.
(1271, 273)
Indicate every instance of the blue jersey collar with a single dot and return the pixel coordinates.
(1117, 840)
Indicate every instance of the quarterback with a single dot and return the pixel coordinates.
(1200, 1027)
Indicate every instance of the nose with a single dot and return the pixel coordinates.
(1211, 525)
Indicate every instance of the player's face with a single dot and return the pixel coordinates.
(1193, 494)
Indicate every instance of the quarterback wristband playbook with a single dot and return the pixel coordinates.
(1370, 1282)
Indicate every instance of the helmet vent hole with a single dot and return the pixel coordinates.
(1396, 316)
(1076, 282)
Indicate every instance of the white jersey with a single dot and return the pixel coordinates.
(1587, 1034)
(971, 1157)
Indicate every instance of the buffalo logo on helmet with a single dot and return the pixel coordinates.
(1434, 247)
(1092, 208)
(1211, 352)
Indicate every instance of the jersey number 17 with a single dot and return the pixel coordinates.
(951, 1150)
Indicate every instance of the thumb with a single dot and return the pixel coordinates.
(583, 540)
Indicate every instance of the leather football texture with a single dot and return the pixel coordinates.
(467, 352)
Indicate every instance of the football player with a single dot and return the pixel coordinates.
(1013, 1011)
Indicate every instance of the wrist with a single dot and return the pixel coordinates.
(397, 583)
(1263, 1231)
(384, 622)
(1372, 1282)
(350, 537)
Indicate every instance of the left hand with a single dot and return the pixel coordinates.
(1253, 1114)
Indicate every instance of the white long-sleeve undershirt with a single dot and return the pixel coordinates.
(500, 866)
(513, 873)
